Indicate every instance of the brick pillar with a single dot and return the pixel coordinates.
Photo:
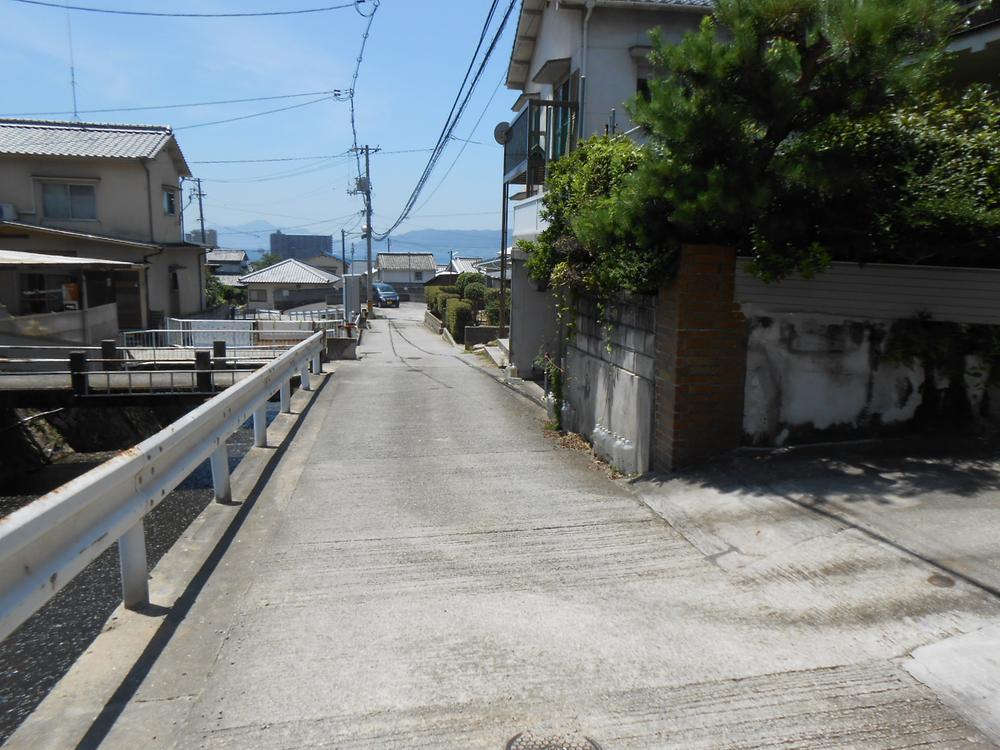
(700, 360)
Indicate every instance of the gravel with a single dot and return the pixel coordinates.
(36, 656)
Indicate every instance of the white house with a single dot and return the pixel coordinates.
(575, 65)
(290, 283)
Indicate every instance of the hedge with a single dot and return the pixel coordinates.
(475, 293)
(441, 308)
(431, 294)
(459, 315)
(468, 277)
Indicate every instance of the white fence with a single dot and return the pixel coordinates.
(45, 544)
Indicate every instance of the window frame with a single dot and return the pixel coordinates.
(170, 201)
(67, 184)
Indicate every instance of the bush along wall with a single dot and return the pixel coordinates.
(459, 315)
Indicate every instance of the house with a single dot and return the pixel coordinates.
(228, 265)
(58, 298)
(976, 48)
(463, 264)
(574, 64)
(407, 272)
(109, 192)
(290, 283)
(329, 263)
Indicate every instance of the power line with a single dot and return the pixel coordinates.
(465, 144)
(335, 93)
(116, 12)
(458, 108)
(354, 84)
(256, 114)
(266, 161)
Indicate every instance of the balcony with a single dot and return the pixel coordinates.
(542, 133)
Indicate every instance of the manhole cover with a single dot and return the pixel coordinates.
(941, 581)
(533, 740)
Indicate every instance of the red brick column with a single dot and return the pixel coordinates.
(700, 360)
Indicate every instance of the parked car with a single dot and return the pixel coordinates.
(385, 295)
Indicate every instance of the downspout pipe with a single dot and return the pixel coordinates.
(580, 131)
(159, 251)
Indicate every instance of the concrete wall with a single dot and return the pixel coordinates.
(534, 324)
(609, 390)
(126, 202)
(815, 352)
(76, 326)
(283, 297)
(811, 375)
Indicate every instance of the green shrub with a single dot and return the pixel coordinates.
(468, 277)
(441, 308)
(493, 307)
(459, 315)
(475, 293)
(451, 289)
(431, 294)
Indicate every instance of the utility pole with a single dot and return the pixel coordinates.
(368, 221)
(201, 211)
(343, 251)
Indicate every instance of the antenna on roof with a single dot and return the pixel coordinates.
(72, 64)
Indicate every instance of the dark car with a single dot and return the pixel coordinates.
(385, 295)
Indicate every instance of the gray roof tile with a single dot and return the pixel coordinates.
(289, 272)
(83, 139)
(406, 262)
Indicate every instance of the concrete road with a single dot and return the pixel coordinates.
(425, 569)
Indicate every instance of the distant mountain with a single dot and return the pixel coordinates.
(475, 243)
(255, 238)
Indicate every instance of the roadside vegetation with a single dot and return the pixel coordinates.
(799, 131)
(468, 302)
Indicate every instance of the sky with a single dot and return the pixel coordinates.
(413, 65)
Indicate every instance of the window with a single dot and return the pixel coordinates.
(67, 201)
(169, 202)
(418, 275)
(642, 88)
(258, 295)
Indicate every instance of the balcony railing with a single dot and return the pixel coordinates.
(542, 133)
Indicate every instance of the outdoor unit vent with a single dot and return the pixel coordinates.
(8, 212)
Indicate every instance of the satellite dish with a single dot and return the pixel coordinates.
(501, 133)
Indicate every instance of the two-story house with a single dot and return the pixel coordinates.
(104, 191)
(228, 265)
(575, 64)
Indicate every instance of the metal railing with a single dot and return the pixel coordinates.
(45, 544)
(543, 132)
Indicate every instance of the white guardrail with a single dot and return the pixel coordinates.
(45, 544)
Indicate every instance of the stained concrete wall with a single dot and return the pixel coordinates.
(608, 390)
(810, 375)
(77, 326)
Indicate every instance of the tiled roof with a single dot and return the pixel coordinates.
(20, 258)
(225, 256)
(406, 262)
(289, 271)
(465, 265)
(85, 140)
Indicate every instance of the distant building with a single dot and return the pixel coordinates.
(290, 283)
(301, 246)
(328, 263)
(407, 272)
(228, 265)
(211, 237)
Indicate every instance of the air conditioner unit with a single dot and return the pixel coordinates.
(8, 212)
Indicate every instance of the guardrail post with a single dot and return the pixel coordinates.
(132, 561)
(109, 353)
(219, 355)
(220, 473)
(304, 376)
(317, 364)
(260, 426)
(203, 368)
(78, 372)
(285, 395)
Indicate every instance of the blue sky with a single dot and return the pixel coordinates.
(414, 62)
